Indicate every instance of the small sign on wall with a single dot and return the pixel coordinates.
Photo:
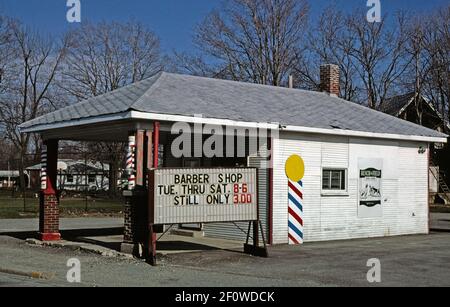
(370, 185)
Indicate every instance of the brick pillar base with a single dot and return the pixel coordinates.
(128, 236)
(49, 217)
(135, 221)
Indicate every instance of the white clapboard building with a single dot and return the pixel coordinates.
(365, 172)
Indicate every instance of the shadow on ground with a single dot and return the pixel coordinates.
(102, 237)
(68, 234)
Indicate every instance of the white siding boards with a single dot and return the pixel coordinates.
(335, 216)
(233, 231)
(237, 231)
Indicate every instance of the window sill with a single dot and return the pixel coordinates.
(335, 193)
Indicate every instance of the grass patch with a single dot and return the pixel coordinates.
(12, 208)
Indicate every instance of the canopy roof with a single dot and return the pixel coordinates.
(188, 96)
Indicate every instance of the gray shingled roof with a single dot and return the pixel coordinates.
(186, 95)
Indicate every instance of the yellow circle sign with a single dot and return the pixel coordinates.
(295, 168)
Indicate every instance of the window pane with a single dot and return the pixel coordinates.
(335, 180)
(343, 181)
(326, 180)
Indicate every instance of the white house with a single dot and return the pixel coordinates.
(8, 179)
(366, 172)
(76, 175)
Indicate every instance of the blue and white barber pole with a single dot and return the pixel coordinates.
(130, 164)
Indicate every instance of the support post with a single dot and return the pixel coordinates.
(140, 157)
(151, 258)
(156, 127)
(270, 148)
(151, 245)
(151, 242)
(49, 198)
(254, 249)
(127, 245)
(149, 154)
(135, 215)
(255, 233)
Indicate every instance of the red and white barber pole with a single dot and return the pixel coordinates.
(44, 168)
(131, 162)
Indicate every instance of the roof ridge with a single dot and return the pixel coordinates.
(412, 93)
(267, 86)
(158, 77)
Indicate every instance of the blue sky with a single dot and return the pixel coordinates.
(172, 20)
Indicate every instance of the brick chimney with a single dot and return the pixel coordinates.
(329, 79)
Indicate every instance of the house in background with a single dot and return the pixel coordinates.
(9, 179)
(420, 110)
(75, 175)
(424, 113)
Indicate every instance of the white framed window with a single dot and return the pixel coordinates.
(334, 181)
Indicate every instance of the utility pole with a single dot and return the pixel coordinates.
(86, 178)
(9, 175)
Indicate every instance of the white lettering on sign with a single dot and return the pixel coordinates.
(204, 195)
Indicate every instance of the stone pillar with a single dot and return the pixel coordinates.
(49, 199)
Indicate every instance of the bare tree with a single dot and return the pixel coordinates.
(103, 58)
(7, 151)
(428, 54)
(379, 55)
(5, 49)
(257, 41)
(106, 56)
(419, 62)
(330, 42)
(437, 50)
(29, 76)
(182, 62)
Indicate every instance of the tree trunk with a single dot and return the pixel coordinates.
(113, 172)
(22, 171)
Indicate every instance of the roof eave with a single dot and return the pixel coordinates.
(226, 122)
(363, 134)
(77, 122)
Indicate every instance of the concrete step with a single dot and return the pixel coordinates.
(188, 233)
